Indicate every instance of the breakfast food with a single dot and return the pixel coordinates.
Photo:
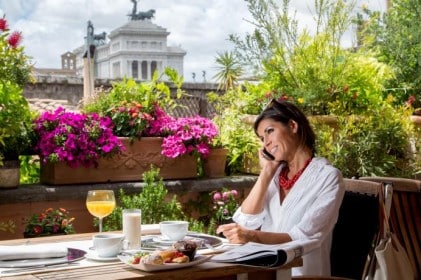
(182, 251)
(186, 247)
(152, 259)
(181, 259)
(167, 255)
(160, 257)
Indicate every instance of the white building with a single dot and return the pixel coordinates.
(135, 50)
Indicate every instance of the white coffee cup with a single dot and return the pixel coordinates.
(108, 244)
(132, 228)
(173, 230)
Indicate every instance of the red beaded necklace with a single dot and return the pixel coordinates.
(286, 183)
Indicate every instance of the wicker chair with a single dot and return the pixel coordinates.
(405, 216)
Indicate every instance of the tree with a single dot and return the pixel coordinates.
(311, 68)
(396, 36)
(229, 70)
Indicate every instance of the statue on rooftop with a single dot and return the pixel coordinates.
(93, 40)
(90, 46)
(140, 15)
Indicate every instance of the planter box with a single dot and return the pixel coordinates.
(129, 166)
(214, 163)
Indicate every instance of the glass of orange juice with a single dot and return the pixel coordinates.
(100, 203)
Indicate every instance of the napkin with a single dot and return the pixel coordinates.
(39, 251)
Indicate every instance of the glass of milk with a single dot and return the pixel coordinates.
(132, 228)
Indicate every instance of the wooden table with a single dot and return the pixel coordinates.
(119, 270)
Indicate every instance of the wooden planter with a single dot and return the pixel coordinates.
(129, 166)
(214, 163)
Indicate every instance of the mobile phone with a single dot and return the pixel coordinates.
(268, 155)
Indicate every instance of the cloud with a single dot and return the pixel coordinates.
(201, 27)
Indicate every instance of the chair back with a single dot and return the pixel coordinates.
(405, 216)
(356, 228)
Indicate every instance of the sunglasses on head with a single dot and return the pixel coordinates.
(274, 104)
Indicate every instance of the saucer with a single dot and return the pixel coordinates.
(94, 257)
(163, 240)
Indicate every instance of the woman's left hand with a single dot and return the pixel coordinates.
(234, 233)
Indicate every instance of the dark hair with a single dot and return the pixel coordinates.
(283, 112)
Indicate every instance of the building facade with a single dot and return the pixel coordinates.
(135, 50)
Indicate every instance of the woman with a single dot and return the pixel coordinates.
(296, 196)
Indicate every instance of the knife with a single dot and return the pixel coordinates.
(37, 267)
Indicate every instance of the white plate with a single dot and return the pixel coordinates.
(159, 241)
(163, 240)
(167, 266)
(94, 257)
(72, 256)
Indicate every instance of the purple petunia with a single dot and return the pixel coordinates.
(186, 135)
(74, 138)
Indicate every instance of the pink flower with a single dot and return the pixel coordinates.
(225, 195)
(224, 203)
(14, 39)
(186, 135)
(77, 139)
(3, 24)
(217, 196)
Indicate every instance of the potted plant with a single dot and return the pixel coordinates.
(133, 106)
(194, 136)
(72, 140)
(235, 134)
(135, 116)
(49, 222)
(215, 163)
(15, 132)
(149, 133)
(15, 115)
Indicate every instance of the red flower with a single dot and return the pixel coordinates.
(37, 229)
(410, 100)
(15, 39)
(3, 24)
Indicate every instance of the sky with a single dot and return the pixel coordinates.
(200, 27)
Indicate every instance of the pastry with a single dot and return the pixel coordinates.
(167, 255)
(152, 259)
(186, 247)
(182, 259)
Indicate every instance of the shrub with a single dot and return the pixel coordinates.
(151, 200)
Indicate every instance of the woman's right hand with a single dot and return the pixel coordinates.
(267, 166)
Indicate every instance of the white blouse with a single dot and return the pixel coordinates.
(309, 211)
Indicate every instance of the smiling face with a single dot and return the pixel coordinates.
(279, 139)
